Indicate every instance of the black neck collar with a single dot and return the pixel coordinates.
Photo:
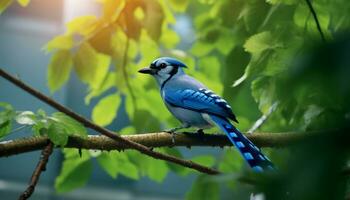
(172, 73)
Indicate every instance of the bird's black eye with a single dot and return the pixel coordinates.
(162, 65)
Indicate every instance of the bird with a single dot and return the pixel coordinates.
(194, 105)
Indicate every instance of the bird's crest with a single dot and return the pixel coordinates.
(169, 61)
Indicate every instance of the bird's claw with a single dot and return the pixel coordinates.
(200, 133)
(173, 133)
(172, 130)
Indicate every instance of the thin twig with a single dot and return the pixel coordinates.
(262, 119)
(152, 140)
(44, 158)
(87, 123)
(18, 129)
(125, 74)
(312, 10)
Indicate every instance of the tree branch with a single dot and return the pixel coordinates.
(313, 12)
(151, 140)
(87, 123)
(44, 158)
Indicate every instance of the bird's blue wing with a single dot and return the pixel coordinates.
(201, 100)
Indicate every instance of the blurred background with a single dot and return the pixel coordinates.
(261, 56)
(23, 34)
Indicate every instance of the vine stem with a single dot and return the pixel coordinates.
(41, 166)
(313, 12)
(125, 73)
(89, 124)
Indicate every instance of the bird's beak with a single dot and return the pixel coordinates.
(147, 70)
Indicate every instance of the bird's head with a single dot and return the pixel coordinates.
(164, 68)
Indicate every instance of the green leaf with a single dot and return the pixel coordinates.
(256, 66)
(23, 3)
(154, 19)
(210, 2)
(201, 49)
(61, 42)
(108, 163)
(5, 128)
(6, 106)
(152, 97)
(303, 18)
(59, 69)
(83, 25)
(311, 114)
(263, 91)
(180, 170)
(129, 170)
(204, 160)
(85, 62)
(108, 83)
(26, 117)
(106, 110)
(101, 41)
(91, 66)
(6, 116)
(71, 126)
(288, 2)
(127, 130)
(225, 42)
(155, 169)
(115, 163)
(210, 67)
(4, 4)
(75, 171)
(40, 112)
(203, 189)
(229, 162)
(112, 9)
(40, 128)
(169, 38)
(149, 49)
(260, 42)
(179, 5)
(42, 123)
(58, 134)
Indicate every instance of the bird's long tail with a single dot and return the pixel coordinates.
(251, 153)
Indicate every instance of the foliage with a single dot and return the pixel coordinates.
(58, 127)
(6, 116)
(6, 3)
(75, 170)
(249, 51)
(315, 168)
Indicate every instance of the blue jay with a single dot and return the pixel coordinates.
(194, 105)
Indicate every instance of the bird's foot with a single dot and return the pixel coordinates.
(200, 133)
(173, 134)
(173, 131)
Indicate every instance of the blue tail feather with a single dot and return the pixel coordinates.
(251, 153)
